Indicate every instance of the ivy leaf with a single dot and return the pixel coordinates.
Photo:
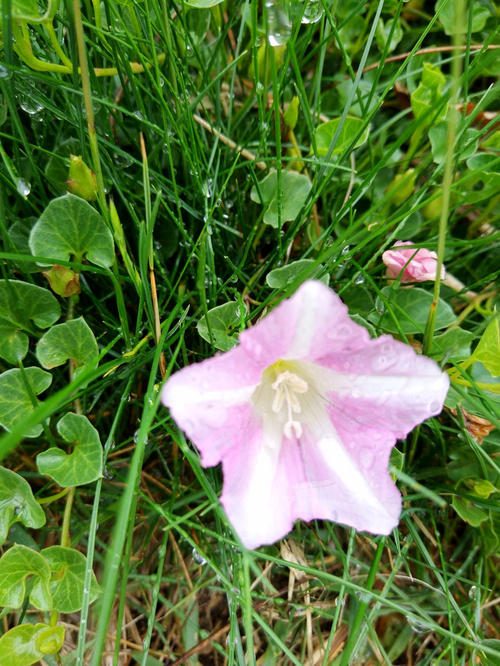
(410, 308)
(294, 188)
(487, 351)
(72, 340)
(68, 576)
(84, 464)
(218, 325)
(22, 303)
(71, 227)
(17, 503)
(16, 398)
(466, 145)
(326, 131)
(285, 275)
(16, 565)
(28, 643)
(486, 177)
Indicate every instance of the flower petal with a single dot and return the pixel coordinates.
(210, 401)
(386, 385)
(302, 327)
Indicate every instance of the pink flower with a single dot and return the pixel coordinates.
(303, 415)
(412, 265)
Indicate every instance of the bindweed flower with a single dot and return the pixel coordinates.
(411, 264)
(303, 415)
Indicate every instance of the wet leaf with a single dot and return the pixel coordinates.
(292, 195)
(16, 565)
(16, 398)
(73, 341)
(67, 581)
(285, 275)
(84, 464)
(71, 228)
(325, 133)
(28, 643)
(219, 324)
(17, 503)
(410, 308)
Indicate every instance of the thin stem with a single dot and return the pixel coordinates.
(87, 98)
(449, 168)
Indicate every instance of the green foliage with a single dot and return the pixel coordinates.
(28, 643)
(67, 567)
(18, 391)
(70, 228)
(279, 278)
(16, 564)
(426, 100)
(455, 25)
(84, 464)
(284, 202)
(22, 303)
(350, 129)
(407, 310)
(17, 503)
(487, 350)
(453, 345)
(71, 341)
(219, 325)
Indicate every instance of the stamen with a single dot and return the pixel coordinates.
(286, 387)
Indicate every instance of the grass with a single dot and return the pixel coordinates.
(176, 585)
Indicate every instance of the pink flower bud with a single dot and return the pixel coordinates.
(411, 264)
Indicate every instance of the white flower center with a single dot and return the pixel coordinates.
(286, 389)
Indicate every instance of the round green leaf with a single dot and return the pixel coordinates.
(410, 307)
(73, 340)
(84, 464)
(16, 398)
(218, 325)
(17, 503)
(68, 576)
(13, 343)
(325, 133)
(294, 188)
(22, 303)
(28, 643)
(16, 565)
(71, 227)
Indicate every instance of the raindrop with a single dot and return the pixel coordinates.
(313, 11)
(4, 72)
(472, 592)
(278, 23)
(107, 473)
(259, 88)
(208, 187)
(29, 105)
(359, 279)
(23, 187)
(345, 250)
(417, 626)
(138, 115)
(264, 127)
(198, 558)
